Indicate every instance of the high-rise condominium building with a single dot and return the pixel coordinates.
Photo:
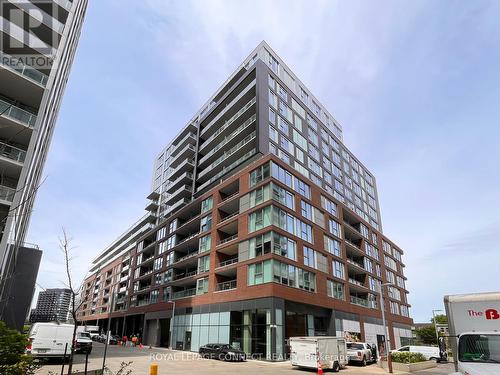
(53, 305)
(38, 40)
(267, 227)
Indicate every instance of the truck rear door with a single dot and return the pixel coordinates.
(304, 353)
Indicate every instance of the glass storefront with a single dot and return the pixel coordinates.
(250, 330)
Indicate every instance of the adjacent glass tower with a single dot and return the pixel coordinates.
(38, 40)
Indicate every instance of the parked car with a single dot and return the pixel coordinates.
(100, 338)
(429, 352)
(359, 352)
(83, 343)
(223, 352)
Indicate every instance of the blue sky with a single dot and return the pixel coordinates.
(415, 85)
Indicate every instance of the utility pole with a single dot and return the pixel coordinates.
(387, 340)
(172, 324)
(108, 328)
(435, 325)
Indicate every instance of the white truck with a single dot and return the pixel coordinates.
(313, 351)
(359, 352)
(474, 327)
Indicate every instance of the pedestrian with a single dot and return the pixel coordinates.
(134, 340)
(124, 340)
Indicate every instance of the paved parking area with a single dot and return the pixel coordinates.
(177, 362)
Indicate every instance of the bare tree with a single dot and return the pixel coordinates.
(67, 248)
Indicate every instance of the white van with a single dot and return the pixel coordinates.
(50, 339)
(429, 352)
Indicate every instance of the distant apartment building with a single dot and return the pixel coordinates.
(38, 40)
(261, 226)
(53, 305)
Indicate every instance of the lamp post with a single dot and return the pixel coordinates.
(172, 324)
(435, 326)
(387, 340)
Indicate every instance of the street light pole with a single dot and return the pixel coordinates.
(435, 326)
(387, 339)
(172, 324)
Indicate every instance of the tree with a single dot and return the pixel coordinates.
(427, 335)
(13, 361)
(440, 319)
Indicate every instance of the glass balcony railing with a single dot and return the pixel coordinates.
(226, 140)
(232, 151)
(228, 123)
(11, 152)
(11, 111)
(359, 301)
(227, 169)
(7, 193)
(25, 70)
(184, 293)
(227, 285)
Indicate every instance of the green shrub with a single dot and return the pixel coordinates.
(407, 357)
(13, 361)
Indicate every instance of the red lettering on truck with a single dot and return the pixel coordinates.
(492, 314)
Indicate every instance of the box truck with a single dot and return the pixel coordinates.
(474, 326)
(312, 351)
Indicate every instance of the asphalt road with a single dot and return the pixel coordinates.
(178, 362)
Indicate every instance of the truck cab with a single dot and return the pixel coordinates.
(478, 353)
(474, 326)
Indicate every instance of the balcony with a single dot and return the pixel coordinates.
(184, 179)
(187, 256)
(183, 192)
(184, 275)
(229, 155)
(228, 262)
(229, 217)
(16, 114)
(184, 293)
(187, 152)
(359, 301)
(226, 285)
(188, 139)
(12, 153)
(237, 135)
(228, 239)
(15, 65)
(225, 170)
(7, 194)
(186, 165)
(177, 205)
(227, 124)
(228, 110)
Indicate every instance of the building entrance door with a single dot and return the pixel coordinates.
(165, 333)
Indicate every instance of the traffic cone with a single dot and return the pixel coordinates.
(320, 369)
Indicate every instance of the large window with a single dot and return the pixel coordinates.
(334, 228)
(328, 205)
(204, 264)
(273, 271)
(338, 269)
(259, 174)
(309, 257)
(271, 215)
(306, 210)
(333, 246)
(288, 179)
(205, 243)
(207, 204)
(335, 289)
(206, 223)
(202, 286)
